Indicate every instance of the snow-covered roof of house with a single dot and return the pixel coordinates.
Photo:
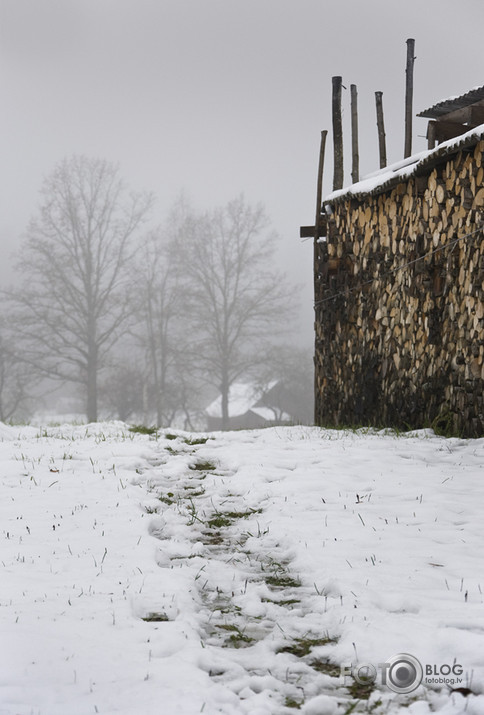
(384, 179)
(452, 104)
(243, 396)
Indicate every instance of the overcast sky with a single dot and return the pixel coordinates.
(216, 97)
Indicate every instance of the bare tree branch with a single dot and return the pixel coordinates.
(236, 303)
(74, 304)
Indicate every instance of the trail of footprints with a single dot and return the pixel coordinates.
(247, 594)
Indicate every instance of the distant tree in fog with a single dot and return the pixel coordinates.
(123, 388)
(16, 381)
(75, 300)
(162, 328)
(235, 301)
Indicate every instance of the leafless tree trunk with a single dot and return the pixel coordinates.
(75, 301)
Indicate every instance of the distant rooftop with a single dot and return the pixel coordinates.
(242, 398)
(453, 104)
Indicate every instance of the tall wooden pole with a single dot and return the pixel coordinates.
(337, 134)
(381, 129)
(409, 96)
(355, 168)
(319, 192)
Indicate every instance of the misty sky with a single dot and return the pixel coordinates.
(216, 97)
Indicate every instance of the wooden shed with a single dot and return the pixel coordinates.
(454, 116)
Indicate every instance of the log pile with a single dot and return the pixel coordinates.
(399, 291)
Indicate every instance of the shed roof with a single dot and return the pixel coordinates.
(243, 397)
(417, 164)
(453, 103)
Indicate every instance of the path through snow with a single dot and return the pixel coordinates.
(236, 573)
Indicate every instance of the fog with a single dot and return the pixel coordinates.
(217, 97)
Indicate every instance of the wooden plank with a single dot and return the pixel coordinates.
(445, 130)
(476, 115)
(307, 231)
(472, 115)
(314, 231)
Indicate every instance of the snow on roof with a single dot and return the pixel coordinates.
(453, 103)
(386, 178)
(242, 397)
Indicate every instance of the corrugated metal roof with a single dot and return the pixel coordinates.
(453, 103)
(390, 176)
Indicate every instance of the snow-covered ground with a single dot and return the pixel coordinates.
(148, 575)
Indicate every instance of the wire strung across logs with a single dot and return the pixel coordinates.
(347, 291)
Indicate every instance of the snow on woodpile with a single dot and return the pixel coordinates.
(381, 180)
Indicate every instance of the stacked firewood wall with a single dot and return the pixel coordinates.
(399, 290)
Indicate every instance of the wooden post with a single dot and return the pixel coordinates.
(337, 134)
(431, 135)
(319, 228)
(319, 191)
(355, 170)
(381, 129)
(409, 97)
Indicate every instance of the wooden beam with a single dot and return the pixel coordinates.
(381, 129)
(409, 97)
(355, 170)
(473, 115)
(448, 130)
(307, 231)
(314, 231)
(337, 134)
(476, 115)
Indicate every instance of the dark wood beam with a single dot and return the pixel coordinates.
(445, 130)
(314, 231)
(409, 97)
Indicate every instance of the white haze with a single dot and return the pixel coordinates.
(216, 96)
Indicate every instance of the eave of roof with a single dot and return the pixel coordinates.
(415, 165)
(453, 103)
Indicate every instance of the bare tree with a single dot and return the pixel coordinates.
(234, 299)
(75, 301)
(162, 328)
